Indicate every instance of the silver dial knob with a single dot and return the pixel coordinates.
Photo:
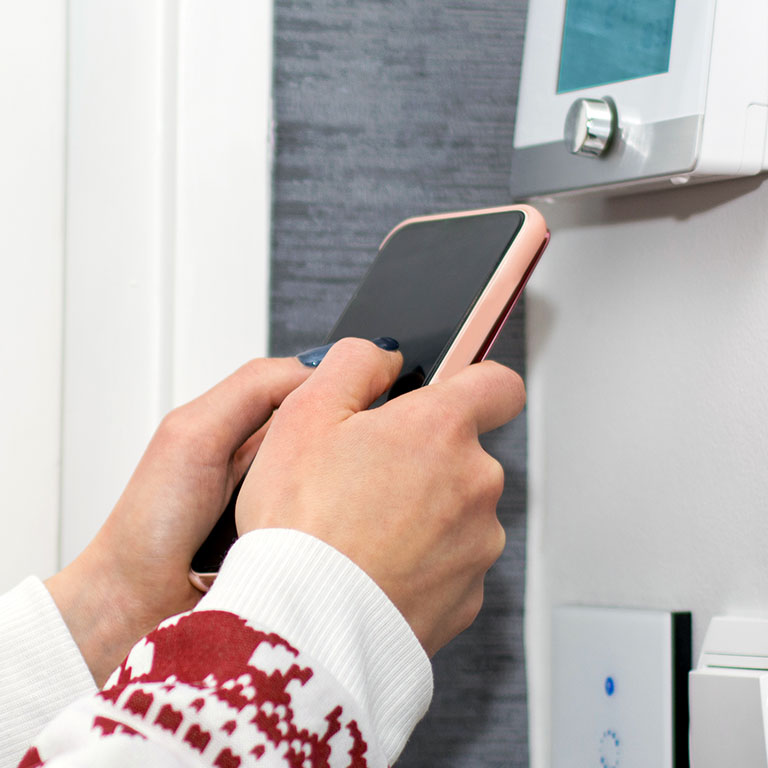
(590, 126)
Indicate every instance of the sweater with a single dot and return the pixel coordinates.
(294, 658)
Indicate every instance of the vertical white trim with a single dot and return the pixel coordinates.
(168, 212)
(119, 232)
(62, 290)
(167, 108)
(223, 185)
(33, 87)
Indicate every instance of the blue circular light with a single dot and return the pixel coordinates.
(610, 750)
(610, 686)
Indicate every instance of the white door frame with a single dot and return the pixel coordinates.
(32, 141)
(167, 226)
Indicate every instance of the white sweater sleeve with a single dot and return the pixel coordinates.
(294, 658)
(322, 603)
(41, 669)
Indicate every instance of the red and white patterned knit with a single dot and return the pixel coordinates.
(210, 689)
(295, 659)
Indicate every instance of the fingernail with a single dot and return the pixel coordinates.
(313, 357)
(387, 342)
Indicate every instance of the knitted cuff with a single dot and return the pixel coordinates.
(327, 607)
(42, 668)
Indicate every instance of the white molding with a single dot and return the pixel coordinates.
(167, 226)
(32, 82)
(224, 182)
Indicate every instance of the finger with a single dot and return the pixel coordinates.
(353, 374)
(487, 393)
(246, 453)
(234, 409)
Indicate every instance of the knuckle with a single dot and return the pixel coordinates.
(518, 386)
(176, 424)
(297, 402)
(254, 368)
(487, 478)
(472, 607)
(509, 381)
(444, 418)
(367, 358)
(514, 379)
(179, 432)
(497, 541)
(494, 478)
(351, 345)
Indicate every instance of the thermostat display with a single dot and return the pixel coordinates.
(621, 93)
(620, 42)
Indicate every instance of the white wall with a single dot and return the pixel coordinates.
(134, 227)
(32, 130)
(648, 411)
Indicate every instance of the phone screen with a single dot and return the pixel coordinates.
(424, 283)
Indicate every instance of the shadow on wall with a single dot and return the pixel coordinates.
(592, 209)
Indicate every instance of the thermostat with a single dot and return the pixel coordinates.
(621, 93)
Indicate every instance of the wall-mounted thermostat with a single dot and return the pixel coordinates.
(617, 93)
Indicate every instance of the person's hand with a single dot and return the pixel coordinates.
(134, 573)
(404, 490)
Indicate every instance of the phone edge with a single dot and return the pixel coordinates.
(499, 296)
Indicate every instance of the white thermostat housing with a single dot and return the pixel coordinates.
(729, 695)
(620, 94)
(619, 688)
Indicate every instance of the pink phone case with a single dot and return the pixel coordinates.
(484, 323)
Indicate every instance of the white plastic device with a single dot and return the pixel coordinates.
(729, 695)
(683, 85)
(619, 688)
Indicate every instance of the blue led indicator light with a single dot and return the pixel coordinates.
(610, 750)
(610, 686)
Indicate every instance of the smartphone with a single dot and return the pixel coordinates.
(443, 286)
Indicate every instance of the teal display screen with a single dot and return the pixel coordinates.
(606, 41)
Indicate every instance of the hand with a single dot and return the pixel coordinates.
(134, 573)
(404, 490)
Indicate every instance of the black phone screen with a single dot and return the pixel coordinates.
(423, 284)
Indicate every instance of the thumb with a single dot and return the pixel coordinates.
(235, 408)
(353, 374)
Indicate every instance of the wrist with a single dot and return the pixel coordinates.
(99, 618)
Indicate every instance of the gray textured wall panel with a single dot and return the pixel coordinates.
(388, 109)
